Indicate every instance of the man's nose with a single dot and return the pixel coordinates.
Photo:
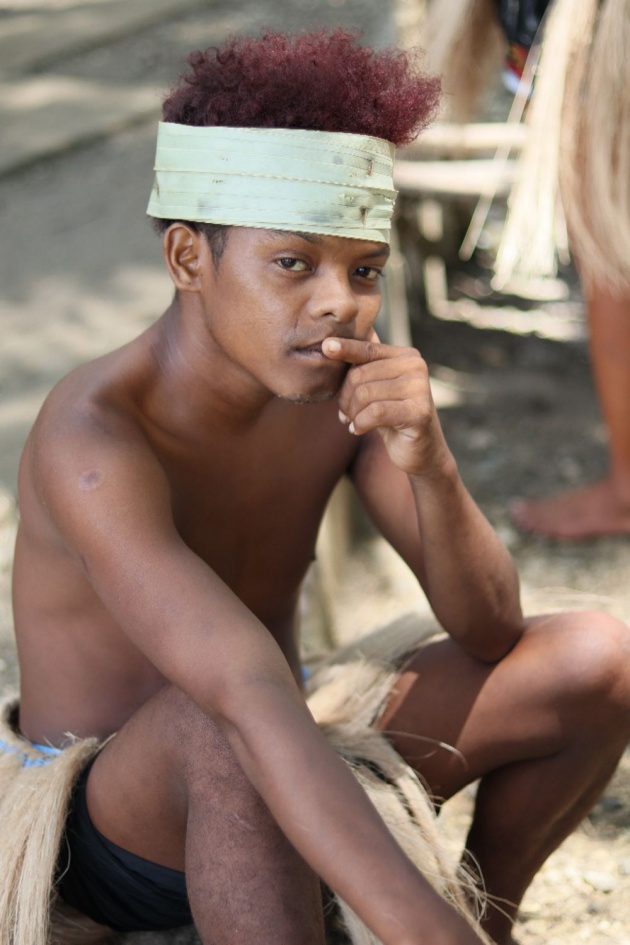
(335, 297)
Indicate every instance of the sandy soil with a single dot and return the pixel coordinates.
(80, 272)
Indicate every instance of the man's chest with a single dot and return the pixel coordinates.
(254, 517)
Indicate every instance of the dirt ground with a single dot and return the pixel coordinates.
(80, 272)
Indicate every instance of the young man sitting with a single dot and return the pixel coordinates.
(170, 496)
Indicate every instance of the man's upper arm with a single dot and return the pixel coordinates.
(110, 500)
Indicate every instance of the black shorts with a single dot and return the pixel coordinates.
(111, 885)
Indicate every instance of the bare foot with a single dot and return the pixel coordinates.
(588, 512)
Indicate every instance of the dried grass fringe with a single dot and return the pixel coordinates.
(464, 45)
(579, 148)
(33, 809)
(350, 691)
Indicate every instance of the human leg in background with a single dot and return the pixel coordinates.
(603, 507)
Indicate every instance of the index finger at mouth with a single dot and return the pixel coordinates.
(356, 352)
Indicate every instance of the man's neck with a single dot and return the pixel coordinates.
(196, 384)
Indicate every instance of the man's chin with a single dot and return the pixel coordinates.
(319, 398)
(318, 393)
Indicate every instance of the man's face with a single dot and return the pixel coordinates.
(275, 296)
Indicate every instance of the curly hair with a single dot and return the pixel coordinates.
(316, 81)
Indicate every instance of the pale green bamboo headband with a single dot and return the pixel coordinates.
(275, 178)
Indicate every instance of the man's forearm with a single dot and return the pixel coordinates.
(331, 822)
(469, 577)
(467, 574)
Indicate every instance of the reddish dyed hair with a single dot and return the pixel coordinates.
(318, 81)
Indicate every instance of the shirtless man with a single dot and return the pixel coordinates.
(170, 497)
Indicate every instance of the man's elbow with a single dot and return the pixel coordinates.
(499, 650)
(491, 645)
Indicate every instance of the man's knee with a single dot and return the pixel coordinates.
(171, 744)
(587, 655)
(170, 761)
(197, 744)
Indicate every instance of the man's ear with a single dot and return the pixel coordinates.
(182, 247)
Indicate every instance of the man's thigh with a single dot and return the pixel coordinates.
(168, 758)
(454, 718)
(169, 790)
(135, 792)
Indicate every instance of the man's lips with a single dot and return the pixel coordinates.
(315, 347)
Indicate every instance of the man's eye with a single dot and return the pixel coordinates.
(369, 272)
(293, 265)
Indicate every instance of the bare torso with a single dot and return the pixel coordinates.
(170, 497)
(248, 503)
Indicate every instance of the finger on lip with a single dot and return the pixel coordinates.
(346, 346)
(331, 345)
(353, 350)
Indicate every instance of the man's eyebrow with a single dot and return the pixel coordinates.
(381, 250)
(309, 237)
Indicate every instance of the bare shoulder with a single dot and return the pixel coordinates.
(88, 450)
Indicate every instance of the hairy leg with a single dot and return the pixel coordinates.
(602, 508)
(543, 729)
(169, 789)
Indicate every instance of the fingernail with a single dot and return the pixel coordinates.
(351, 428)
(343, 417)
(331, 344)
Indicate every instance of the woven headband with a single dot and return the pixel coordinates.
(275, 178)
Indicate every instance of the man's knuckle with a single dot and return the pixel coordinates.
(378, 411)
(418, 365)
(423, 413)
(363, 395)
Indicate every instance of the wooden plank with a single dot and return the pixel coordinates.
(454, 178)
(473, 140)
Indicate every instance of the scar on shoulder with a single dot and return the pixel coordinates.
(90, 479)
